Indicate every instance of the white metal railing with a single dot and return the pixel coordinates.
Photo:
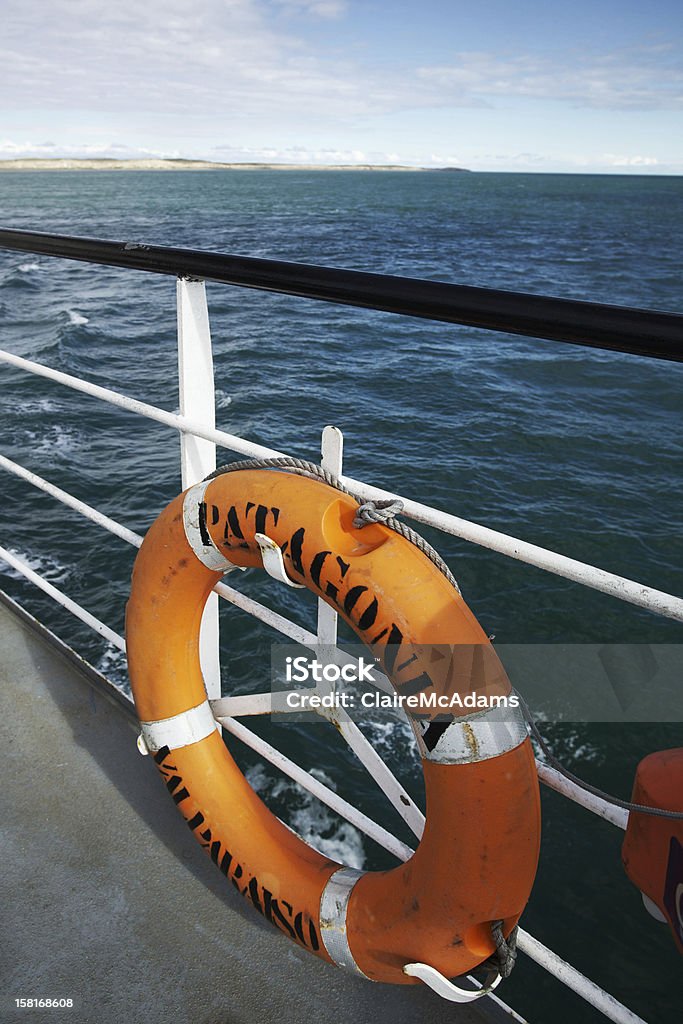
(199, 437)
(552, 561)
(61, 598)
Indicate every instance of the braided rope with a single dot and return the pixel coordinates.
(505, 957)
(377, 512)
(383, 512)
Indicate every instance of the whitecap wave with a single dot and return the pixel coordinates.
(43, 405)
(316, 824)
(26, 268)
(56, 440)
(77, 319)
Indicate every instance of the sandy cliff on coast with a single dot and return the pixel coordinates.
(69, 164)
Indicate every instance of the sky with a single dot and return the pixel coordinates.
(497, 85)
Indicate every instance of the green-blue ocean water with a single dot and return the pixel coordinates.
(567, 447)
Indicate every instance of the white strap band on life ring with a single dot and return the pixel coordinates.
(198, 539)
(178, 731)
(334, 903)
(476, 737)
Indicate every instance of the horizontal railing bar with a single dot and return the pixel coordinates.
(152, 412)
(565, 787)
(245, 705)
(513, 1014)
(297, 633)
(575, 980)
(551, 561)
(57, 595)
(624, 329)
(75, 503)
(542, 558)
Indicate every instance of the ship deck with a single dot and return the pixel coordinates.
(110, 902)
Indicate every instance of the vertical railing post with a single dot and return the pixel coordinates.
(332, 450)
(198, 456)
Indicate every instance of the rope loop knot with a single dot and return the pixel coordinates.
(377, 512)
(506, 950)
(382, 511)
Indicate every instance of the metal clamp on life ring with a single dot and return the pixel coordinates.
(476, 861)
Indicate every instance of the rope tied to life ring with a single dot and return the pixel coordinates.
(380, 510)
(377, 512)
(505, 957)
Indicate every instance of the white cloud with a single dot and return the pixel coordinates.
(236, 59)
(635, 79)
(224, 59)
(316, 8)
(13, 149)
(303, 155)
(629, 161)
(226, 153)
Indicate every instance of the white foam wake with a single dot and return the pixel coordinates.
(44, 565)
(310, 819)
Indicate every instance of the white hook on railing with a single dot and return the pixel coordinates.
(273, 562)
(445, 988)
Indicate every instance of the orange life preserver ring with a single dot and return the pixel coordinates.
(477, 859)
(652, 851)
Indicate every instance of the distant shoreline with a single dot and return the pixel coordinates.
(69, 164)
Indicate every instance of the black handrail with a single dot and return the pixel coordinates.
(621, 328)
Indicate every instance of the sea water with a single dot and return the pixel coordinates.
(571, 448)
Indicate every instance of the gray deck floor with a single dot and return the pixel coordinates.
(109, 901)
